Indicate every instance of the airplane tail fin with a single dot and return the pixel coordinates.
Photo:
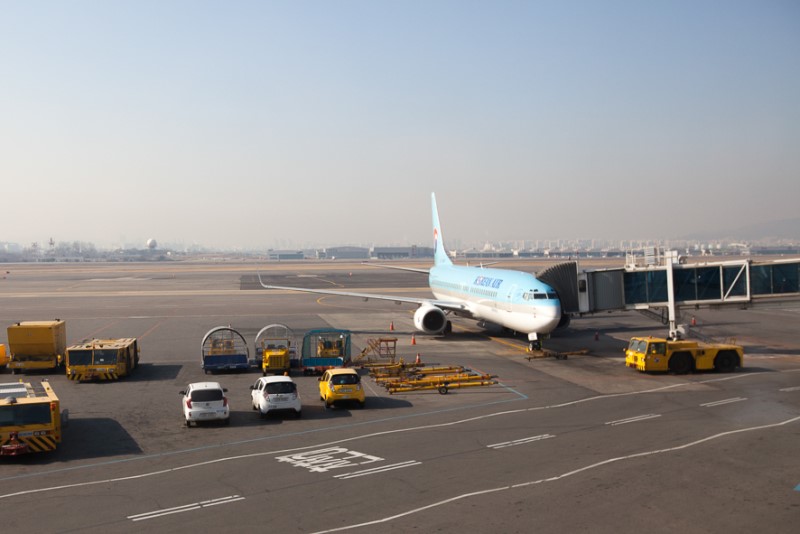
(440, 256)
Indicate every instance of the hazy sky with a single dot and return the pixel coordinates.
(281, 124)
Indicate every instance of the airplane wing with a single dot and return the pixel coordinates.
(443, 304)
(397, 267)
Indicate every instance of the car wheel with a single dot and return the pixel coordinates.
(361, 404)
(298, 414)
(188, 423)
(227, 421)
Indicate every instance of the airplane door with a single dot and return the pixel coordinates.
(509, 297)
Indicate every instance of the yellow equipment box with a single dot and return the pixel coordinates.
(36, 345)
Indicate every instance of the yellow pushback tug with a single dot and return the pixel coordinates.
(30, 418)
(102, 359)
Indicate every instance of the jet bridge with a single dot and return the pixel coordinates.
(665, 283)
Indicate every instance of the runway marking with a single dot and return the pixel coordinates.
(322, 460)
(633, 419)
(725, 401)
(521, 441)
(795, 388)
(551, 479)
(376, 470)
(185, 508)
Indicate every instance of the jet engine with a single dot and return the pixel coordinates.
(564, 322)
(430, 319)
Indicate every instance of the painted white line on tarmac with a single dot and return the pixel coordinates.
(724, 401)
(633, 419)
(521, 441)
(376, 470)
(185, 508)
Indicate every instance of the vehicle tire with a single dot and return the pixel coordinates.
(361, 405)
(298, 414)
(680, 363)
(227, 421)
(188, 423)
(442, 390)
(725, 362)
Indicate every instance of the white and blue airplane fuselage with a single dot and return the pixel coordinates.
(512, 299)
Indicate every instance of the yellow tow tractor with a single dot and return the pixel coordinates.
(30, 418)
(102, 359)
(681, 357)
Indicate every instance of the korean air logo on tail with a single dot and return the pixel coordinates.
(435, 241)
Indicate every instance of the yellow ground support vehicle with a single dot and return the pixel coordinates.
(36, 345)
(30, 418)
(276, 346)
(680, 357)
(102, 359)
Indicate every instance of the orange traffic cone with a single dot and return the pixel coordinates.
(391, 326)
(694, 321)
(418, 361)
(413, 339)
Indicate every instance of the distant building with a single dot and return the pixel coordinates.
(401, 253)
(278, 255)
(347, 253)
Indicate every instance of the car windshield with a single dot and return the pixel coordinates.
(341, 380)
(275, 388)
(206, 395)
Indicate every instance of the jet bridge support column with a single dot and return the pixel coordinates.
(671, 257)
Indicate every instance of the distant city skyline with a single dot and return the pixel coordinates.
(249, 124)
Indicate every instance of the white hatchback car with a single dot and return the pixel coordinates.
(205, 401)
(276, 393)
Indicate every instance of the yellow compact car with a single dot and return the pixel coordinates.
(338, 385)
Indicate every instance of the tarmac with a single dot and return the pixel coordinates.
(576, 444)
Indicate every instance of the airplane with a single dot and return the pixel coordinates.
(512, 299)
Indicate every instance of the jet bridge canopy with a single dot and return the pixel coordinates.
(666, 281)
